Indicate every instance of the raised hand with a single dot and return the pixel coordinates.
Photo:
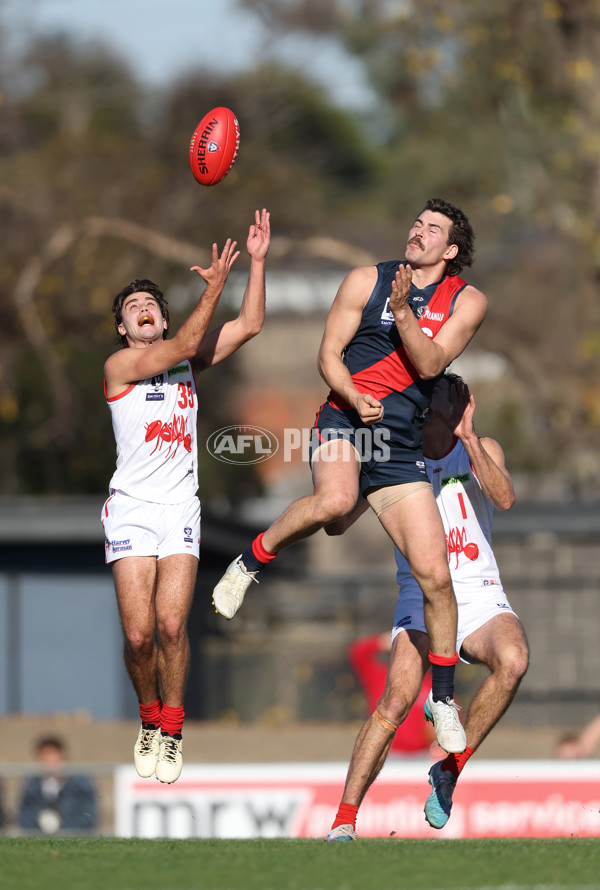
(401, 289)
(259, 235)
(216, 274)
(457, 410)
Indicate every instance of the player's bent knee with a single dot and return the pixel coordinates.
(514, 663)
(437, 588)
(395, 706)
(334, 509)
(386, 724)
(519, 663)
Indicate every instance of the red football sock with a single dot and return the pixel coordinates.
(443, 660)
(171, 720)
(346, 815)
(259, 551)
(456, 762)
(150, 714)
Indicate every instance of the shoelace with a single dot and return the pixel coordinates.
(449, 715)
(240, 580)
(146, 740)
(171, 749)
(251, 575)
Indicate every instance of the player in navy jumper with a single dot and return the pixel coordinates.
(391, 331)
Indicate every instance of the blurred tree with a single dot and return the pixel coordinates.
(491, 105)
(97, 191)
(494, 105)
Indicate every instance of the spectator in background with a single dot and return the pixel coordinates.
(369, 657)
(574, 747)
(56, 801)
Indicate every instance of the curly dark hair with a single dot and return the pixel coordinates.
(140, 285)
(460, 234)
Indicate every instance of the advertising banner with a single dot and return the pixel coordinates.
(295, 800)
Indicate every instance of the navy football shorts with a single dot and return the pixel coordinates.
(384, 460)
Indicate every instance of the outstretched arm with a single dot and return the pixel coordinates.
(130, 365)
(485, 454)
(226, 339)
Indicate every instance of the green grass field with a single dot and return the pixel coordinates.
(120, 864)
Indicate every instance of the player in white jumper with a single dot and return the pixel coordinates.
(469, 480)
(152, 516)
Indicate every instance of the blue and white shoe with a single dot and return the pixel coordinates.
(342, 833)
(438, 805)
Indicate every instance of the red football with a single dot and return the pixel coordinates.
(214, 146)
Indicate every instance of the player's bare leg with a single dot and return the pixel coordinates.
(501, 645)
(176, 578)
(336, 470)
(135, 580)
(415, 526)
(408, 664)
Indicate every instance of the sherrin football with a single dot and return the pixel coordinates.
(214, 146)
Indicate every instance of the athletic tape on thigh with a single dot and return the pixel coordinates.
(381, 499)
(385, 724)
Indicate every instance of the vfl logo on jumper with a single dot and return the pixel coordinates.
(387, 317)
(242, 444)
(156, 395)
(171, 434)
(187, 535)
(456, 540)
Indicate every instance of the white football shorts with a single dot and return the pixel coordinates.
(142, 528)
(475, 608)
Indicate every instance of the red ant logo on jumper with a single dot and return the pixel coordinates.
(174, 433)
(458, 544)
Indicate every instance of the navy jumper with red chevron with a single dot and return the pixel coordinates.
(380, 366)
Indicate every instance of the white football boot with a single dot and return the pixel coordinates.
(342, 833)
(145, 751)
(170, 759)
(229, 593)
(448, 728)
